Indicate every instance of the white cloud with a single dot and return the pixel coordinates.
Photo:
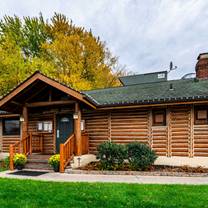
(146, 35)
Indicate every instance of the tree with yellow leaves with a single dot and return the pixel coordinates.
(59, 49)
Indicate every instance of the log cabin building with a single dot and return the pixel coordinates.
(44, 116)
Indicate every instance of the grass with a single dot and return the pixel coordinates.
(27, 193)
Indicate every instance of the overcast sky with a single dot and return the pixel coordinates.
(145, 34)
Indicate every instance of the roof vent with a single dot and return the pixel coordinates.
(171, 87)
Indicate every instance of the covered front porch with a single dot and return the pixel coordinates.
(50, 117)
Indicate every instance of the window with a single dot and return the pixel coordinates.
(11, 126)
(159, 117)
(201, 115)
(46, 126)
(161, 76)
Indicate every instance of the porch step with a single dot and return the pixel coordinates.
(38, 166)
(38, 161)
(39, 156)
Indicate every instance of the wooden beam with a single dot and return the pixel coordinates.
(150, 139)
(169, 132)
(50, 95)
(18, 89)
(49, 103)
(109, 126)
(16, 103)
(9, 115)
(77, 130)
(11, 157)
(65, 89)
(54, 132)
(25, 122)
(191, 129)
(61, 167)
(35, 93)
(38, 76)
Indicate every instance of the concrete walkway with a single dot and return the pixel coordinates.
(65, 177)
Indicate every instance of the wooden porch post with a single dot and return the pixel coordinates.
(11, 157)
(61, 168)
(77, 130)
(25, 122)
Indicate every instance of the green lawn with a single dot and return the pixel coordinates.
(26, 193)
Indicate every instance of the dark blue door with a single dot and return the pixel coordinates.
(64, 128)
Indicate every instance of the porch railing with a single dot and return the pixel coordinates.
(66, 152)
(23, 146)
(67, 149)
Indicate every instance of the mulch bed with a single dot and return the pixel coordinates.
(163, 168)
(154, 170)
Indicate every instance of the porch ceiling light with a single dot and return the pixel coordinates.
(21, 119)
(75, 116)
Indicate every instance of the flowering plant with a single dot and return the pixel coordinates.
(20, 160)
(54, 161)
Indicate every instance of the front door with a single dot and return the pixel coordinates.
(64, 128)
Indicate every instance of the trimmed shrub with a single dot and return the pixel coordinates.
(111, 155)
(140, 156)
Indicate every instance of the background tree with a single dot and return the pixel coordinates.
(59, 49)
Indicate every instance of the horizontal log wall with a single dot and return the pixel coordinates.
(97, 125)
(180, 137)
(117, 126)
(180, 131)
(7, 140)
(48, 140)
(129, 126)
(200, 140)
(160, 140)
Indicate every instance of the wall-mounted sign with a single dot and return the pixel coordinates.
(40, 126)
(82, 125)
(75, 116)
(46, 126)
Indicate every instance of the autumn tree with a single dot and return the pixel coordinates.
(59, 49)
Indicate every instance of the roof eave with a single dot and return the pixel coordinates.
(152, 103)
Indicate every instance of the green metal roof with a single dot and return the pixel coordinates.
(144, 78)
(159, 92)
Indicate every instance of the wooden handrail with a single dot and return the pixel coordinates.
(23, 146)
(66, 152)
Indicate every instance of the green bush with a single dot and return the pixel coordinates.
(6, 162)
(111, 155)
(140, 156)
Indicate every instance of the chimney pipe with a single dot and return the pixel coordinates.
(202, 66)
